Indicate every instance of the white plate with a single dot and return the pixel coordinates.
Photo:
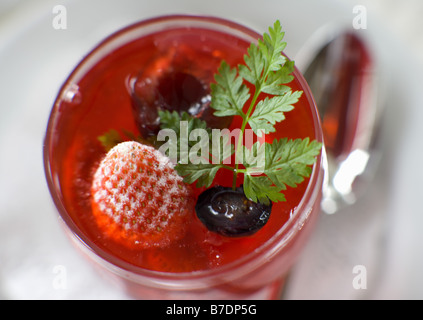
(381, 232)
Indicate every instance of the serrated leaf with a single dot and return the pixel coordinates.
(264, 59)
(276, 80)
(252, 71)
(169, 120)
(287, 161)
(271, 110)
(173, 121)
(229, 93)
(221, 146)
(202, 173)
(272, 46)
(287, 164)
(254, 158)
(261, 189)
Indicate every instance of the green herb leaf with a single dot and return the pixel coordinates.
(266, 58)
(208, 151)
(183, 127)
(275, 82)
(229, 93)
(271, 110)
(113, 137)
(261, 189)
(272, 46)
(202, 173)
(287, 163)
(109, 139)
(172, 120)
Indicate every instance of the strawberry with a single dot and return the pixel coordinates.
(138, 199)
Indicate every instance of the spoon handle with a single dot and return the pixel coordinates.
(341, 76)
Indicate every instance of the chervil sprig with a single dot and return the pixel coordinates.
(267, 168)
(284, 162)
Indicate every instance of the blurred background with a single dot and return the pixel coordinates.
(381, 231)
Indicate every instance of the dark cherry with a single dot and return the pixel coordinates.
(230, 213)
(181, 92)
(177, 91)
(144, 107)
(171, 90)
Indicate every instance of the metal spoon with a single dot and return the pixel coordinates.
(341, 76)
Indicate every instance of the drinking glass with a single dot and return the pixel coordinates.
(259, 274)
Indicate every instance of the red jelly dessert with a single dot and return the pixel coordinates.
(167, 63)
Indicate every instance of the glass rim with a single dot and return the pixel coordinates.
(224, 273)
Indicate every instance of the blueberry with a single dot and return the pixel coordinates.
(230, 213)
